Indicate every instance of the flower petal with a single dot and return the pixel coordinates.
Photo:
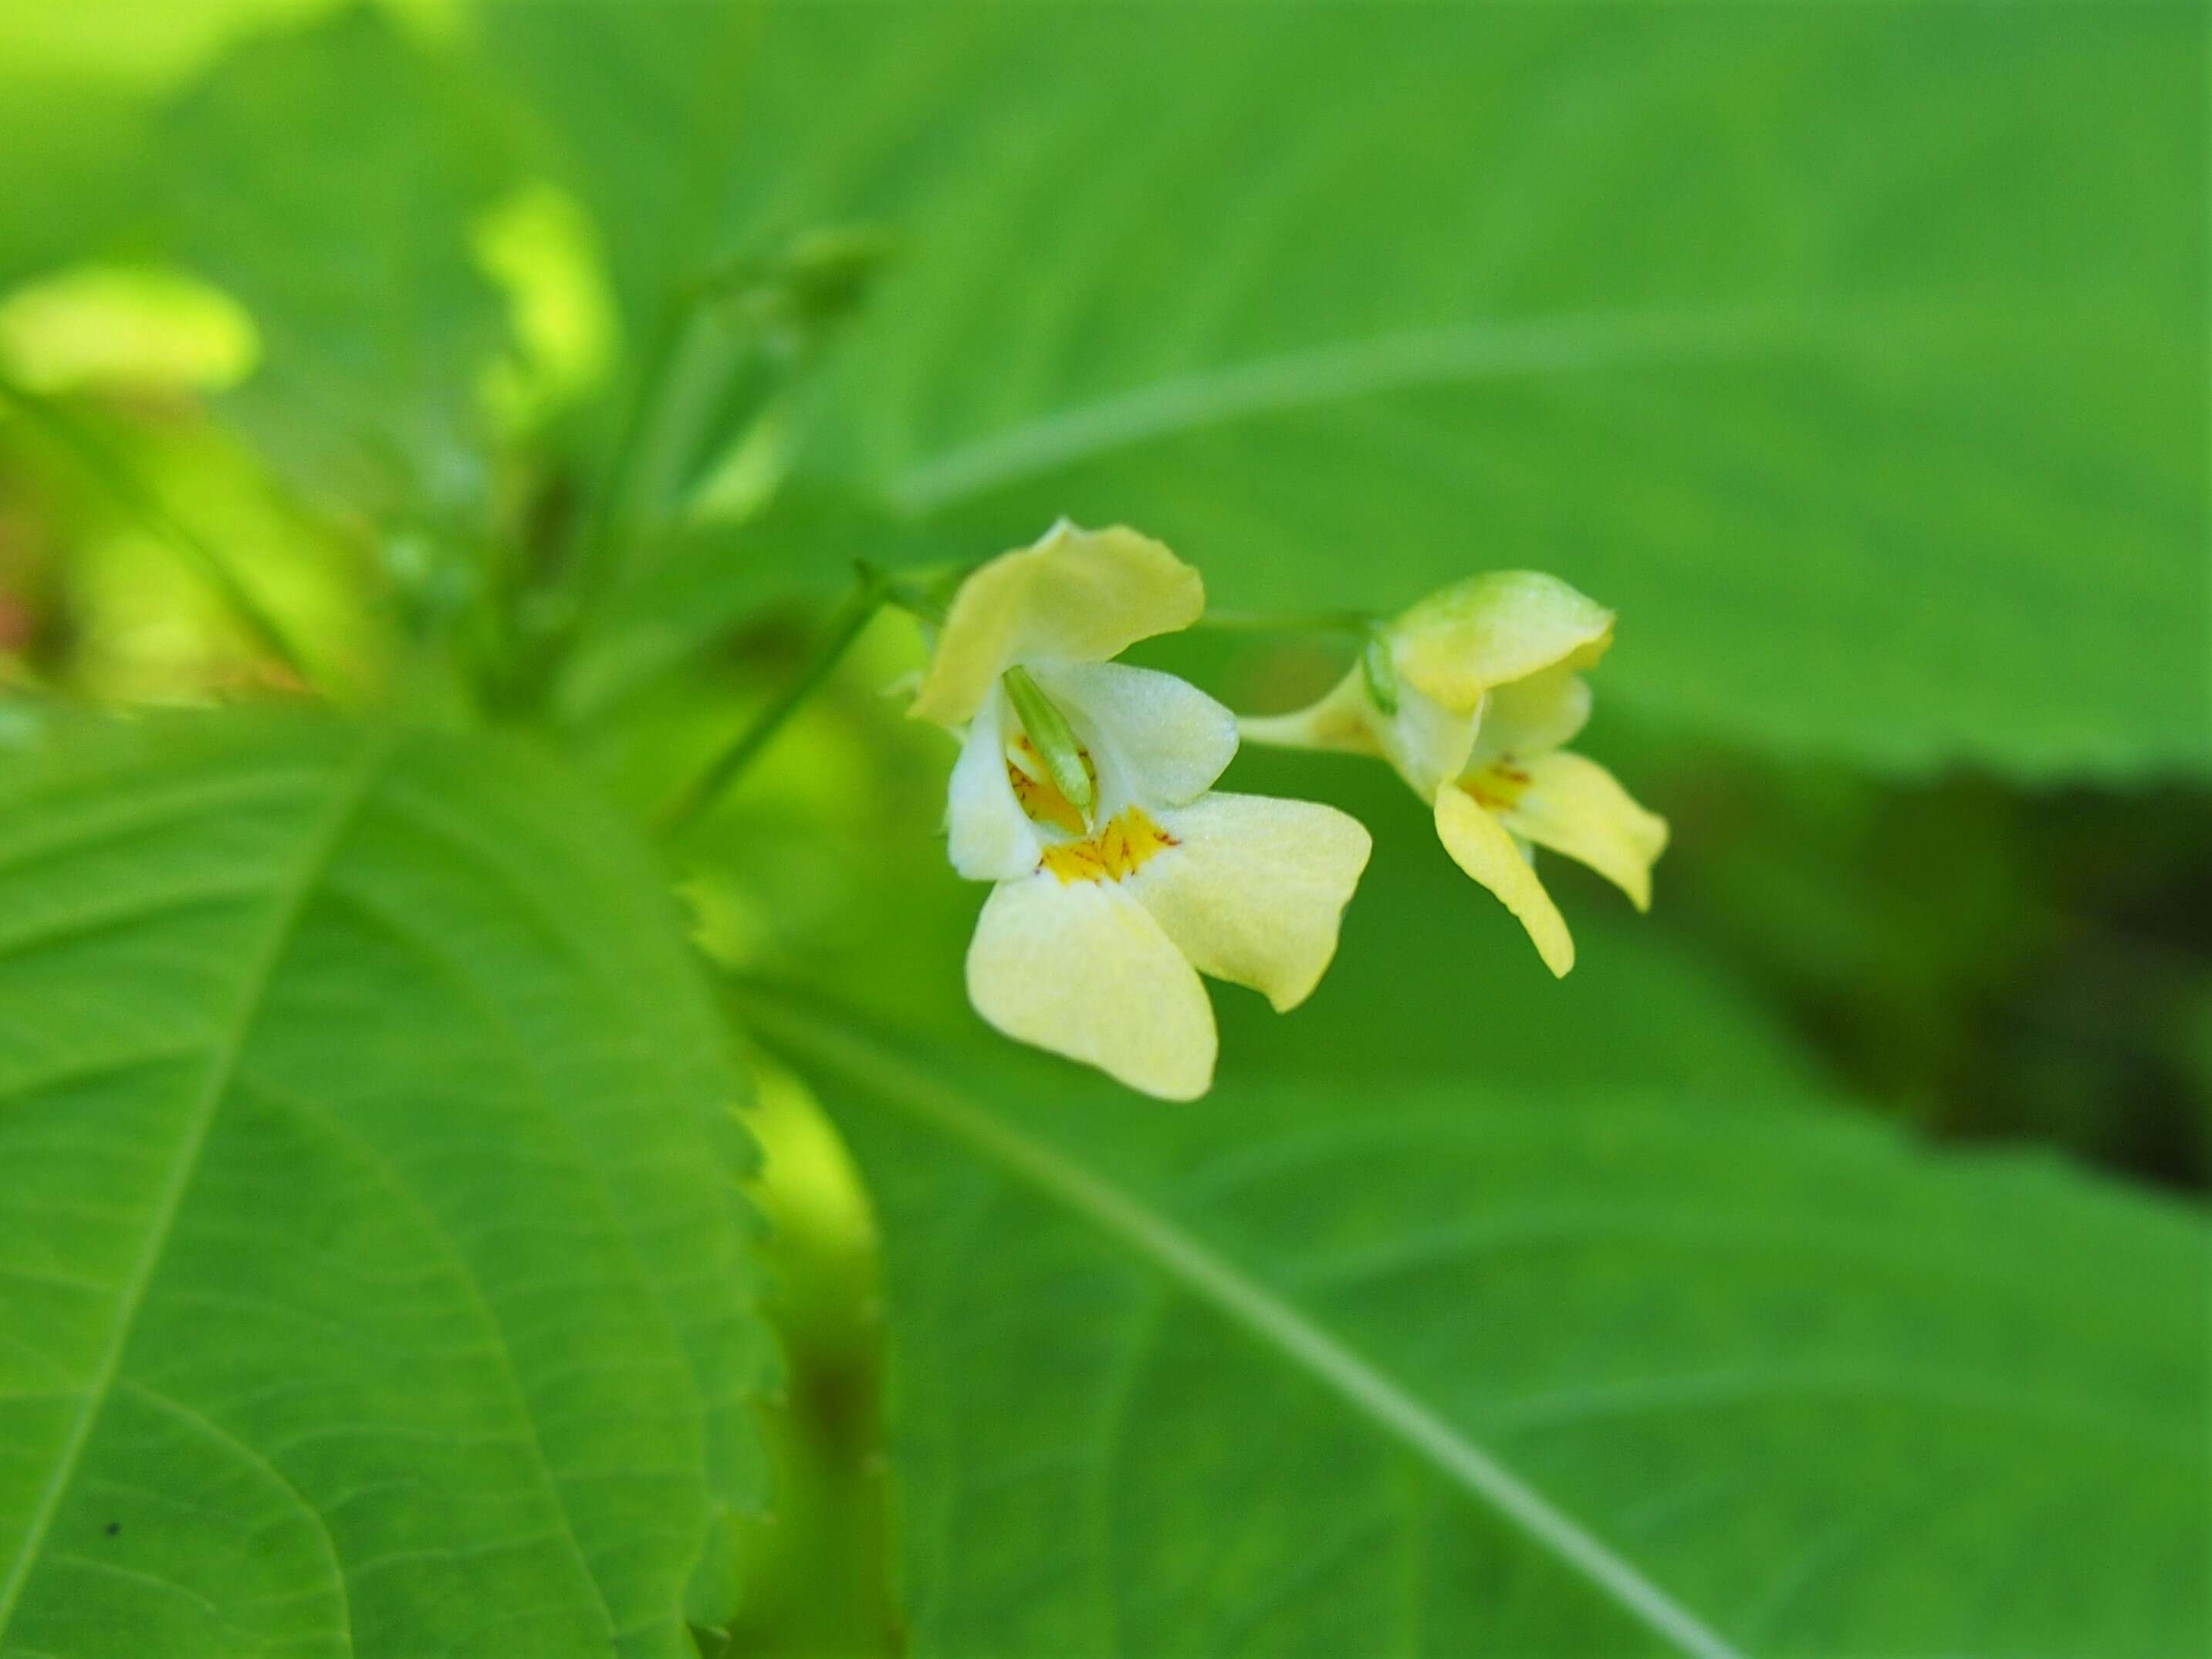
(1160, 738)
(1255, 888)
(1576, 807)
(988, 835)
(1081, 968)
(1481, 845)
(1494, 629)
(1074, 596)
(1423, 741)
(1531, 716)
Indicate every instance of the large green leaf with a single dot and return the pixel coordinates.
(79, 83)
(330, 179)
(1855, 353)
(372, 1276)
(1482, 1369)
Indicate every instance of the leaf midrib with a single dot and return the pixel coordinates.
(289, 904)
(811, 1033)
(1331, 373)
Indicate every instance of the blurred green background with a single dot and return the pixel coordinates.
(1858, 354)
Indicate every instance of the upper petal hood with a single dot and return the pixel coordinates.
(1075, 596)
(1495, 628)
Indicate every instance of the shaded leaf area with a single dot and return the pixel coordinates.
(1826, 343)
(1474, 1367)
(372, 1276)
(1990, 963)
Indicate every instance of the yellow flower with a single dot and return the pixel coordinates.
(1488, 690)
(1084, 790)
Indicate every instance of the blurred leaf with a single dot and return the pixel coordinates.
(540, 247)
(702, 582)
(1834, 345)
(331, 181)
(1382, 1368)
(633, 109)
(818, 1571)
(72, 153)
(115, 328)
(374, 1280)
(133, 45)
(82, 83)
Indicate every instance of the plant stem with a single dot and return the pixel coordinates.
(905, 596)
(678, 310)
(1286, 621)
(601, 523)
(844, 627)
(136, 495)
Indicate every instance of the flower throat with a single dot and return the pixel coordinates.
(1117, 850)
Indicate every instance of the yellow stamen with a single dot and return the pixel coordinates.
(1115, 852)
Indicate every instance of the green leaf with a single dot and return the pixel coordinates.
(1868, 389)
(330, 181)
(1483, 1369)
(634, 111)
(68, 149)
(373, 1280)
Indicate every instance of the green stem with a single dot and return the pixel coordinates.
(114, 474)
(844, 627)
(905, 596)
(602, 526)
(1286, 621)
(594, 573)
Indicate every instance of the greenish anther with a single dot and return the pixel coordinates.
(1048, 729)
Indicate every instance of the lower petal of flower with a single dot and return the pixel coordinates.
(1081, 968)
(1129, 841)
(1256, 889)
(1482, 847)
(1576, 807)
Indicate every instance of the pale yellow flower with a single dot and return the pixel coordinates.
(1486, 680)
(1106, 910)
